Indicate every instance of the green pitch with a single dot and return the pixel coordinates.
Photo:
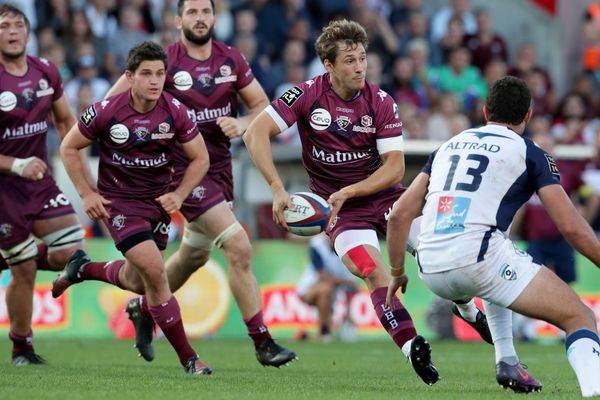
(110, 370)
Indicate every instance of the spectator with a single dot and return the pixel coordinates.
(454, 37)
(485, 45)
(458, 8)
(81, 32)
(404, 88)
(127, 35)
(87, 74)
(418, 28)
(446, 119)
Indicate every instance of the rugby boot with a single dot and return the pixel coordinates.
(480, 324)
(516, 378)
(420, 358)
(271, 353)
(70, 274)
(195, 366)
(144, 329)
(20, 358)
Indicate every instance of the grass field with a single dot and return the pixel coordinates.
(109, 370)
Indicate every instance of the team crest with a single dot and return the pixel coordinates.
(507, 272)
(225, 70)
(28, 95)
(199, 192)
(6, 230)
(342, 121)
(141, 132)
(366, 120)
(205, 80)
(164, 127)
(43, 84)
(119, 222)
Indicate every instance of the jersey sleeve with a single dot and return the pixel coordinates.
(89, 122)
(286, 110)
(244, 73)
(541, 167)
(388, 124)
(427, 167)
(185, 128)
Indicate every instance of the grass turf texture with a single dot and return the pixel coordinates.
(110, 370)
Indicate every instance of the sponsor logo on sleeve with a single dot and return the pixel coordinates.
(292, 95)
(104, 103)
(320, 119)
(552, 165)
(119, 133)
(183, 80)
(382, 94)
(396, 113)
(88, 115)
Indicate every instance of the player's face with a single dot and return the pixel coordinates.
(148, 80)
(13, 36)
(197, 21)
(350, 67)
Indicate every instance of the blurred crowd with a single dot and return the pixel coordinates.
(437, 63)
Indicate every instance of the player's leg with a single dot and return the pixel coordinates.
(465, 310)
(321, 296)
(548, 298)
(359, 251)
(146, 258)
(61, 236)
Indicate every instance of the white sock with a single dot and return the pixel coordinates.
(500, 322)
(583, 352)
(406, 348)
(468, 311)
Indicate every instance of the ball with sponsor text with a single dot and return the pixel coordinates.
(308, 215)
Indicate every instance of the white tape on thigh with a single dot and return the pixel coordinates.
(22, 252)
(196, 240)
(348, 240)
(227, 234)
(64, 238)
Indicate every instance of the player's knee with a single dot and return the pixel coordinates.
(362, 260)
(64, 240)
(20, 253)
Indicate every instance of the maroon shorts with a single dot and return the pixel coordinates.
(133, 221)
(209, 192)
(23, 202)
(369, 212)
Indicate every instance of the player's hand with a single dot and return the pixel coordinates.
(170, 202)
(281, 201)
(93, 204)
(336, 201)
(229, 126)
(397, 282)
(34, 170)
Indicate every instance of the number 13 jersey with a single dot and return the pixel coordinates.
(478, 181)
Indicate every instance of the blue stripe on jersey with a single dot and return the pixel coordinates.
(540, 171)
(316, 259)
(482, 135)
(484, 243)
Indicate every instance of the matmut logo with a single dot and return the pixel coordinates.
(47, 311)
(339, 157)
(25, 130)
(139, 162)
(209, 114)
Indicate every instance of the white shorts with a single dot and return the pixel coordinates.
(499, 279)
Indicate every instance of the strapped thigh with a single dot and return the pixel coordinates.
(352, 243)
(24, 251)
(64, 238)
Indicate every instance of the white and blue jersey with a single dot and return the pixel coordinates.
(478, 181)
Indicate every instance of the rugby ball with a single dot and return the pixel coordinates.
(308, 215)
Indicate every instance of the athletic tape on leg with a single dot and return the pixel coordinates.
(196, 240)
(64, 238)
(20, 253)
(362, 260)
(227, 234)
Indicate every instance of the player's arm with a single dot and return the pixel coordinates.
(390, 173)
(196, 151)
(258, 142)
(119, 86)
(569, 222)
(70, 148)
(404, 211)
(31, 168)
(63, 121)
(255, 99)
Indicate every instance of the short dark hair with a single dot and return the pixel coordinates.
(145, 51)
(508, 100)
(349, 32)
(181, 3)
(10, 9)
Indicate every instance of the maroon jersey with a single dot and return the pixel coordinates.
(339, 137)
(25, 105)
(136, 149)
(209, 88)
